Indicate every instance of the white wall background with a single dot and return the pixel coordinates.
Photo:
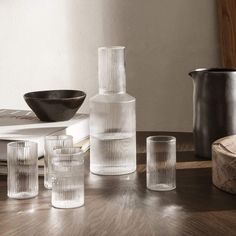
(53, 45)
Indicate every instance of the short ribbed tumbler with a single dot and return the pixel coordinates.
(22, 179)
(68, 178)
(161, 163)
(52, 142)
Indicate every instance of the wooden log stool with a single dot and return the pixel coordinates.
(224, 164)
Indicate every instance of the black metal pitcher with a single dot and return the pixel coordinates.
(214, 107)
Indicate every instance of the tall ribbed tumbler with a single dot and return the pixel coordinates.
(22, 179)
(52, 142)
(68, 178)
(161, 163)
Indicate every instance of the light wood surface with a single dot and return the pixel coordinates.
(121, 205)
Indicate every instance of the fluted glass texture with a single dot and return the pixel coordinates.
(52, 142)
(22, 179)
(112, 118)
(161, 163)
(68, 178)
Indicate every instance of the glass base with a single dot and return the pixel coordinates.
(22, 195)
(161, 187)
(67, 204)
(119, 170)
(47, 182)
(48, 186)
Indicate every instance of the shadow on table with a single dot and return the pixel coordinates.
(3, 187)
(194, 193)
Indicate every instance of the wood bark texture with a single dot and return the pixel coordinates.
(224, 164)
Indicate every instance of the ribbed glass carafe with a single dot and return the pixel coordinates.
(112, 118)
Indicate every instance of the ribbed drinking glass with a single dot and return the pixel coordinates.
(161, 163)
(22, 179)
(68, 178)
(53, 142)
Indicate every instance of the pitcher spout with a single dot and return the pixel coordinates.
(195, 73)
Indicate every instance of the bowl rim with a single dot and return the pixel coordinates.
(27, 95)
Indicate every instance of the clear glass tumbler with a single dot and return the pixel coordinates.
(68, 178)
(53, 142)
(22, 162)
(161, 163)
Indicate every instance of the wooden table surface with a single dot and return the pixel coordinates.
(121, 205)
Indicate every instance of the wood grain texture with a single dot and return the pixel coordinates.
(121, 205)
(227, 27)
(224, 164)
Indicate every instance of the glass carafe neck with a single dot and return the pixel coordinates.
(111, 70)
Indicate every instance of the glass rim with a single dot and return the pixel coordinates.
(58, 137)
(112, 48)
(27, 144)
(161, 139)
(78, 151)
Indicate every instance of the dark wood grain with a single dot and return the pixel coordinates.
(227, 26)
(121, 205)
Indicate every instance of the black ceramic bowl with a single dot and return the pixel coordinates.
(55, 105)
